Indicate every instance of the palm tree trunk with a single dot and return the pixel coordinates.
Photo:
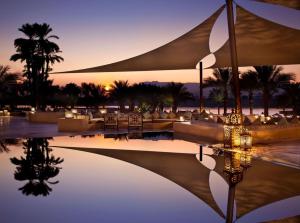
(218, 110)
(251, 102)
(225, 100)
(174, 107)
(266, 101)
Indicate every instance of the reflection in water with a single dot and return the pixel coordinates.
(4, 143)
(235, 163)
(232, 186)
(251, 187)
(140, 135)
(37, 167)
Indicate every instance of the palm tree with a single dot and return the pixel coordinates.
(38, 52)
(92, 95)
(8, 81)
(149, 97)
(249, 83)
(271, 78)
(217, 96)
(119, 93)
(178, 93)
(290, 97)
(72, 91)
(221, 79)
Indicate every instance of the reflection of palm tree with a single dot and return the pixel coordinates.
(3, 147)
(37, 167)
(270, 79)
(5, 142)
(221, 78)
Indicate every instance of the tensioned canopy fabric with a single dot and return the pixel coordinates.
(182, 53)
(288, 3)
(261, 42)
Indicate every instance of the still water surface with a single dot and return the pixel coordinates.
(121, 178)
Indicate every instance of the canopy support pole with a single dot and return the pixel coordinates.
(201, 88)
(234, 57)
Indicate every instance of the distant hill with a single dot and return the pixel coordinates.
(191, 87)
(194, 89)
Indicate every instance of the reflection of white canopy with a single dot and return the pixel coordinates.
(257, 189)
(288, 3)
(259, 42)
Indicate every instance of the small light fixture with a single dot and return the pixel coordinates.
(32, 110)
(69, 115)
(74, 111)
(246, 140)
(103, 111)
(181, 118)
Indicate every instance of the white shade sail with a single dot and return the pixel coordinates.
(295, 4)
(261, 42)
(182, 53)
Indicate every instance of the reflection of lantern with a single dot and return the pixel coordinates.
(232, 167)
(69, 114)
(246, 158)
(246, 140)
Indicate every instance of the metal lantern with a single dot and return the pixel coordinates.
(246, 140)
(232, 130)
(233, 119)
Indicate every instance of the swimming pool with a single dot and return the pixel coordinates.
(149, 177)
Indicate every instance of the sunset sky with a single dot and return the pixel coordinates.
(97, 32)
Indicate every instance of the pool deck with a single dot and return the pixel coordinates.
(19, 127)
(286, 152)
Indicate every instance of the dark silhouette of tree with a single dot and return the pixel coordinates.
(8, 85)
(37, 167)
(220, 79)
(217, 96)
(271, 78)
(92, 95)
(4, 143)
(249, 83)
(72, 91)
(119, 93)
(290, 97)
(39, 53)
(178, 93)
